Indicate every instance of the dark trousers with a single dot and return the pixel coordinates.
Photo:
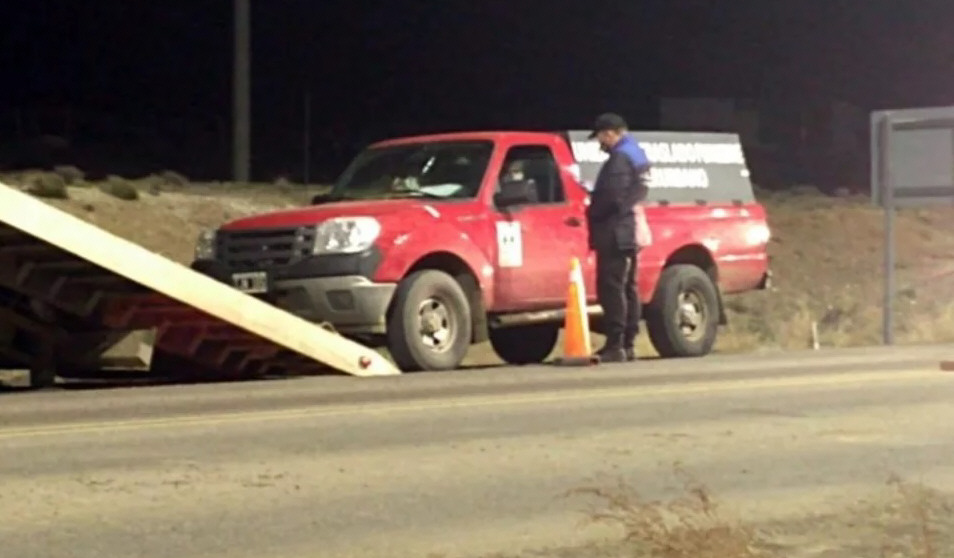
(616, 291)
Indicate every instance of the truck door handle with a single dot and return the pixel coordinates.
(573, 221)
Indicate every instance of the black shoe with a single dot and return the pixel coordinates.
(630, 354)
(607, 354)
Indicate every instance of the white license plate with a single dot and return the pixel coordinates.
(255, 282)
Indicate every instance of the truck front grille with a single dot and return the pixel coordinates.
(261, 249)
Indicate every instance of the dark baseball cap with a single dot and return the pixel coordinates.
(608, 121)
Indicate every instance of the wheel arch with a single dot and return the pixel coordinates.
(466, 277)
(701, 257)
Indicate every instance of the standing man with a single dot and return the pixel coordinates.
(620, 185)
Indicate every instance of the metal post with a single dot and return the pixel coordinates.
(887, 198)
(241, 93)
(889, 249)
(306, 139)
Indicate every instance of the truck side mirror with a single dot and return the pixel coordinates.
(516, 193)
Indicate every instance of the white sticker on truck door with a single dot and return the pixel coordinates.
(509, 244)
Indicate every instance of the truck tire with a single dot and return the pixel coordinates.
(429, 327)
(530, 344)
(682, 319)
(43, 368)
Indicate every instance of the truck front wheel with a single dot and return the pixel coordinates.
(530, 344)
(429, 327)
(683, 318)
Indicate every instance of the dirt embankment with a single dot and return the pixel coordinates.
(826, 255)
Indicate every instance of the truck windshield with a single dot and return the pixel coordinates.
(435, 170)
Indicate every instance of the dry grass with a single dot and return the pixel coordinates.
(692, 525)
(912, 522)
(70, 174)
(120, 188)
(43, 185)
(173, 178)
(918, 509)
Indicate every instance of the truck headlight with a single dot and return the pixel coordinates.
(346, 235)
(205, 245)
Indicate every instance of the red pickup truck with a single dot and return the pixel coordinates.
(426, 245)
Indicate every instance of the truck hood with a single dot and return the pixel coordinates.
(312, 215)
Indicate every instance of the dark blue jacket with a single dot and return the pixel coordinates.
(620, 185)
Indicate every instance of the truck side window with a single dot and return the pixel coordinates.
(536, 163)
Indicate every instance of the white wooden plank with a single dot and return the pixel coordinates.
(125, 258)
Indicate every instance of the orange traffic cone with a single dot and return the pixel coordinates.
(577, 350)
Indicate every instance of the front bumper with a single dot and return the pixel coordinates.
(328, 289)
(352, 304)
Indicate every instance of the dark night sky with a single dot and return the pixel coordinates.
(379, 67)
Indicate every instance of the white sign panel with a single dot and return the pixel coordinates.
(685, 166)
(509, 244)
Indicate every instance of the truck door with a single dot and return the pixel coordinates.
(536, 241)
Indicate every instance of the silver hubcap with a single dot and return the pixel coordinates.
(691, 315)
(436, 328)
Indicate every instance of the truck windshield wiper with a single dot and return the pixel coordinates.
(428, 195)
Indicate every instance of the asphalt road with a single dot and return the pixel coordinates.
(459, 464)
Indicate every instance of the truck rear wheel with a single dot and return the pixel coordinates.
(683, 318)
(530, 344)
(429, 327)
